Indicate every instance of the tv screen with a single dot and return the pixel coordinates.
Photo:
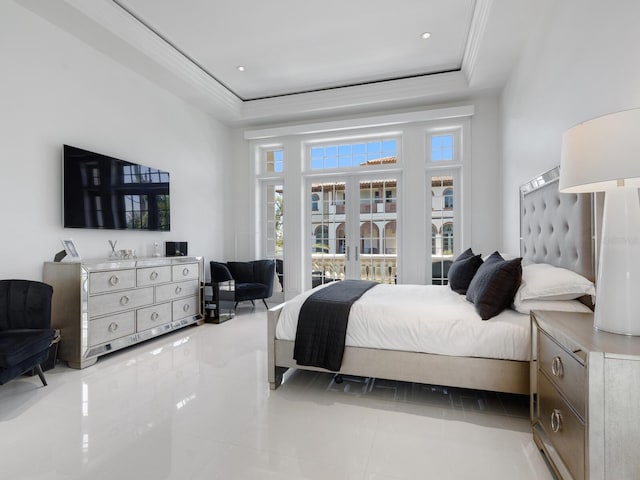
(108, 193)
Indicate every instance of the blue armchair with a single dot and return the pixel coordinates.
(25, 327)
(253, 280)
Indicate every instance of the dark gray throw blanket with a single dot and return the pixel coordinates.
(322, 324)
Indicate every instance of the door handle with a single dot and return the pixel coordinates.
(356, 254)
(348, 251)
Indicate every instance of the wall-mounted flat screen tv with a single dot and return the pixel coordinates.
(107, 193)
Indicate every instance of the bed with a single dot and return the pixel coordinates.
(556, 229)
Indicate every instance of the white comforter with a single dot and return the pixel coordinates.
(423, 318)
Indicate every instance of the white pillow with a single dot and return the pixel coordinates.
(525, 306)
(543, 281)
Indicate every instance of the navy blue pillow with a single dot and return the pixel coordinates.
(462, 271)
(494, 285)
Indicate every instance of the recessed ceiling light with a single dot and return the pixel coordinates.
(240, 68)
(425, 35)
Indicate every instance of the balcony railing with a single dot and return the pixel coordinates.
(378, 207)
(376, 267)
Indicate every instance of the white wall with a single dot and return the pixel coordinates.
(240, 232)
(582, 63)
(54, 90)
(486, 196)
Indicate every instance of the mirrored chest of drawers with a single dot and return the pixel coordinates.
(585, 400)
(101, 306)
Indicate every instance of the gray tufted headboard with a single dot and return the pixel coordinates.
(556, 227)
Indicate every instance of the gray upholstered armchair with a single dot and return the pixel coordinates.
(253, 280)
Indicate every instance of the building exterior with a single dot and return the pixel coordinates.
(378, 218)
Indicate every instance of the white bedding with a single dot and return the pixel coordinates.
(423, 318)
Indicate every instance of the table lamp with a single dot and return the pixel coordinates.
(603, 155)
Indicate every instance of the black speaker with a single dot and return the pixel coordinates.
(175, 249)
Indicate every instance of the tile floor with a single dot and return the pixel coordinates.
(195, 404)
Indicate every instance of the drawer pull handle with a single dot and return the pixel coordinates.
(556, 367)
(185, 308)
(153, 275)
(178, 290)
(154, 316)
(185, 271)
(124, 300)
(556, 421)
(113, 280)
(113, 326)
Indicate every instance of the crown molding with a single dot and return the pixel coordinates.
(476, 33)
(358, 123)
(358, 98)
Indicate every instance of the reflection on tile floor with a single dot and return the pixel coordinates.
(415, 393)
(195, 404)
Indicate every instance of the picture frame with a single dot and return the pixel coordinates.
(70, 249)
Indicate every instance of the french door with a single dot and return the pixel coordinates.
(445, 222)
(354, 228)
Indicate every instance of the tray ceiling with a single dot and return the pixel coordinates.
(306, 59)
(290, 46)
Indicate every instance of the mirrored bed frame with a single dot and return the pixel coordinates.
(555, 228)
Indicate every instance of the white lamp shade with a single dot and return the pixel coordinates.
(598, 153)
(603, 154)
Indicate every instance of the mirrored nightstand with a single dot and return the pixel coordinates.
(585, 392)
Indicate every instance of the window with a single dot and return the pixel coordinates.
(273, 220)
(369, 237)
(96, 202)
(141, 211)
(447, 196)
(445, 221)
(341, 238)
(390, 238)
(442, 147)
(136, 211)
(442, 216)
(447, 239)
(359, 154)
(95, 176)
(434, 236)
(270, 188)
(141, 174)
(444, 167)
(274, 161)
(350, 214)
(162, 202)
(322, 239)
